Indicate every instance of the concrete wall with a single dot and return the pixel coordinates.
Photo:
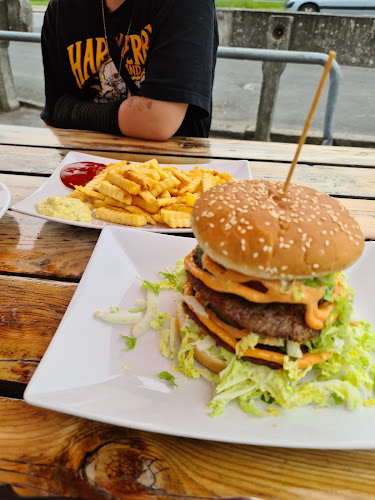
(352, 37)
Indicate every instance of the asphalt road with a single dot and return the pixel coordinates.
(236, 94)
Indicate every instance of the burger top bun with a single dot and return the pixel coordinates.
(254, 228)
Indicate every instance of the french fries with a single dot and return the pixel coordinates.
(147, 193)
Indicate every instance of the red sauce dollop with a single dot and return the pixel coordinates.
(80, 173)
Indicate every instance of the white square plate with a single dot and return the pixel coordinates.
(238, 169)
(82, 373)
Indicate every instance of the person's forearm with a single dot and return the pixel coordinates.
(150, 119)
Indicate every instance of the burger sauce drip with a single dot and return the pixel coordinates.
(80, 173)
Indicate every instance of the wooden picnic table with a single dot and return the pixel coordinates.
(45, 453)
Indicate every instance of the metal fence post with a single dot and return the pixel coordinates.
(278, 37)
(14, 15)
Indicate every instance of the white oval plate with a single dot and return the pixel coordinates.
(4, 199)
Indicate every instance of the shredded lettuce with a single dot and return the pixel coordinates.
(168, 341)
(167, 376)
(150, 315)
(158, 323)
(248, 342)
(346, 378)
(154, 287)
(118, 317)
(327, 280)
(174, 279)
(129, 341)
(249, 382)
(185, 355)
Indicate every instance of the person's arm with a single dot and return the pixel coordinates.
(146, 118)
(139, 117)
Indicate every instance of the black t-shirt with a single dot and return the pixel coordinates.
(168, 50)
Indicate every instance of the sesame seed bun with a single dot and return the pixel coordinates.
(254, 228)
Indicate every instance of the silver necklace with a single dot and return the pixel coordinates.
(106, 38)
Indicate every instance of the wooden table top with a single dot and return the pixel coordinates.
(44, 453)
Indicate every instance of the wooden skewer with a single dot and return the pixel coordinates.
(302, 139)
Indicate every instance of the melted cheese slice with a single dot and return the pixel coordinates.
(225, 333)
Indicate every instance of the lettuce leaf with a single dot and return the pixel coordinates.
(174, 279)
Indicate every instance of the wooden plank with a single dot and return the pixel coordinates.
(31, 311)
(78, 458)
(28, 245)
(213, 148)
(364, 212)
(36, 247)
(43, 161)
(335, 180)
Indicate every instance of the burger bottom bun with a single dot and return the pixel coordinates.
(213, 364)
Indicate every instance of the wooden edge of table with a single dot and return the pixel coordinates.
(184, 146)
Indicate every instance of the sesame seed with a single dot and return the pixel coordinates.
(315, 266)
(255, 255)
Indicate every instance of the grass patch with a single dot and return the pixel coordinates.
(39, 2)
(238, 4)
(250, 4)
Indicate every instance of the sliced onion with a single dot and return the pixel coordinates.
(196, 306)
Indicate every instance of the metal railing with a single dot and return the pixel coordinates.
(289, 56)
(265, 55)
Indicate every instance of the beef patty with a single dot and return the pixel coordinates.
(280, 320)
(256, 361)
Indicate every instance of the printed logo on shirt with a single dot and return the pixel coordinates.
(92, 66)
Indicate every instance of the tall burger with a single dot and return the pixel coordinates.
(266, 302)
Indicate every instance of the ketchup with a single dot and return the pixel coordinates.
(80, 173)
